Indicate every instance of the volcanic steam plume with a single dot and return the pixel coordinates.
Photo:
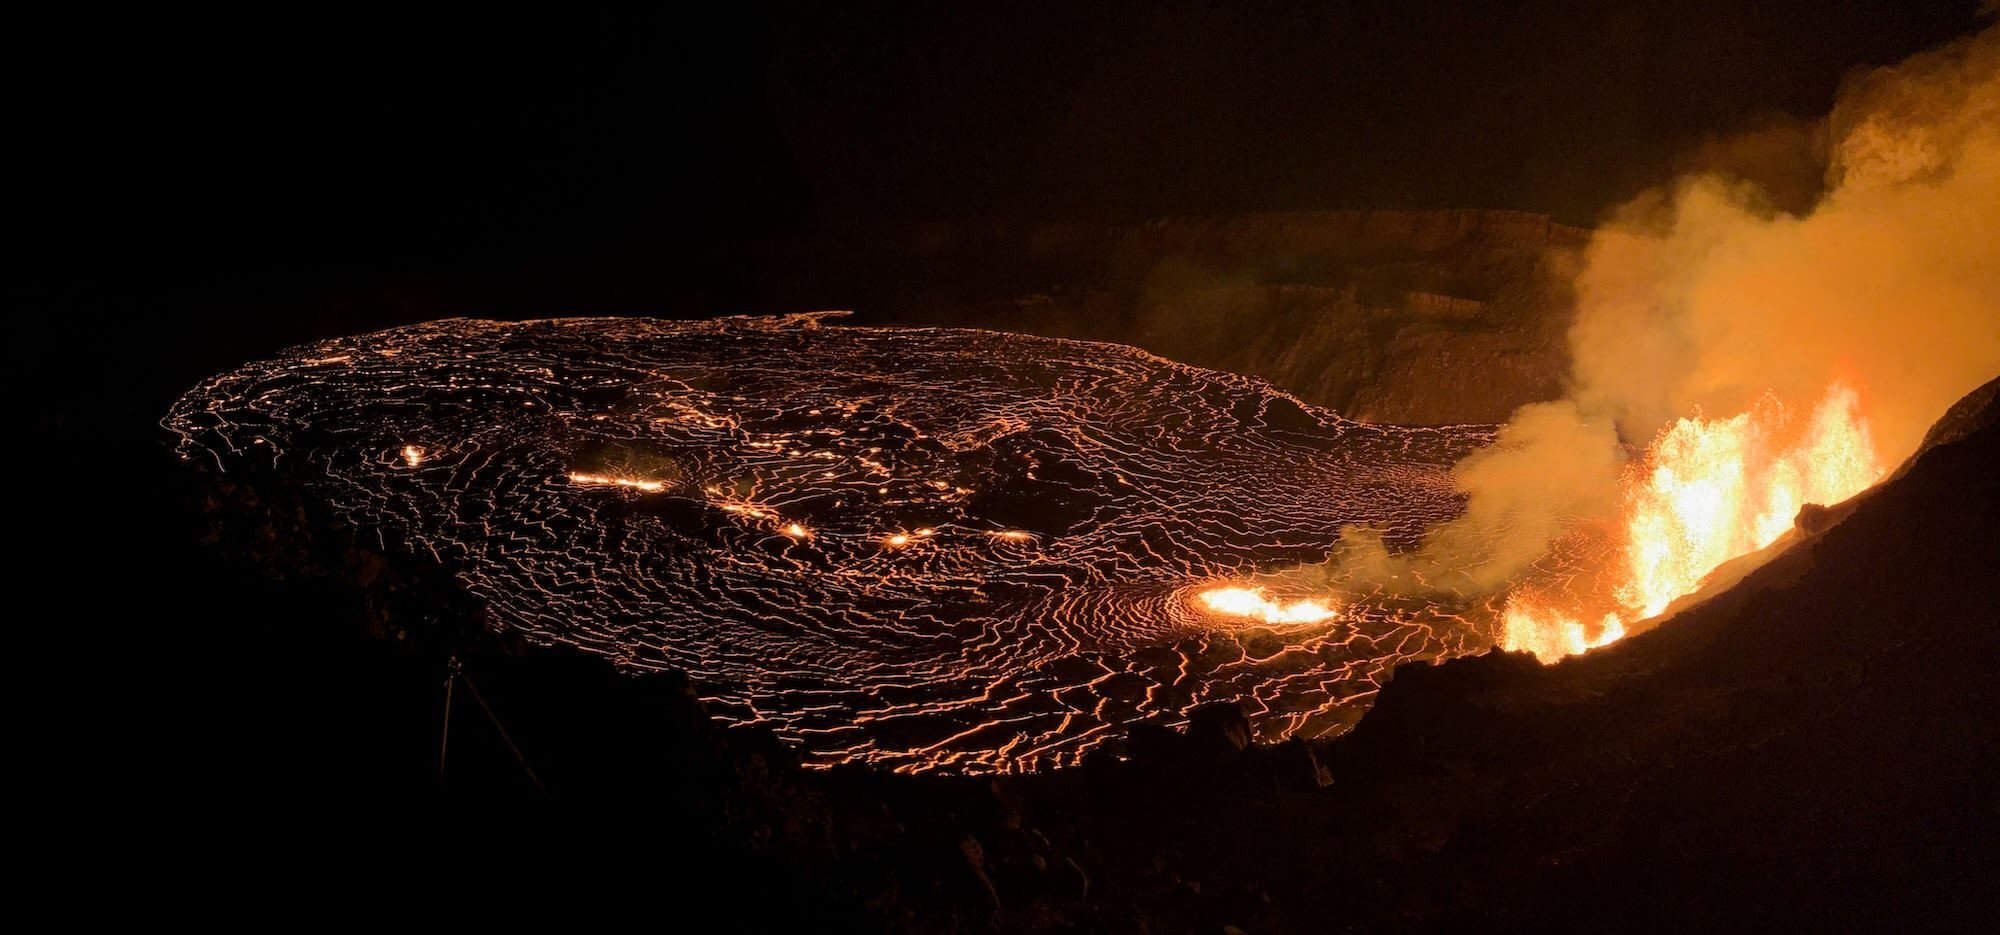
(1766, 358)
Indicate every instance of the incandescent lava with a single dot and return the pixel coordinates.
(919, 548)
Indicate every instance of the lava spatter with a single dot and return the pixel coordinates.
(927, 549)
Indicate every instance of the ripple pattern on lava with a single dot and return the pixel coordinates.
(925, 548)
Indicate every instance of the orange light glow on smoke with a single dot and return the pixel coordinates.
(1709, 490)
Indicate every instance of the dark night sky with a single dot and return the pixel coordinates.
(193, 189)
(387, 138)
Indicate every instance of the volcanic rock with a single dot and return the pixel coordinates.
(1410, 317)
(1219, 726)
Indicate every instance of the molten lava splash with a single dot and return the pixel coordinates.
(1709, 491)
(1530, 624)
(1251, 602)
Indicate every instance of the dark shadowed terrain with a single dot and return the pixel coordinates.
(1809, 748)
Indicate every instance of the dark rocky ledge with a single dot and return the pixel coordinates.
(1813, 747)
(1405, 317)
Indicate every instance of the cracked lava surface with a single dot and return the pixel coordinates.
(925, 549)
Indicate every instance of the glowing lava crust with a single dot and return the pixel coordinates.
(920, 548)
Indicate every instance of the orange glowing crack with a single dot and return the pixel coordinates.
(749, 509)
(607, 480)
(914, 622)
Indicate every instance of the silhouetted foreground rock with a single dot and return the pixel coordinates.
(1815, 747)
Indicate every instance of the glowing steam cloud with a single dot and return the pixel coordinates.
(1769, 359)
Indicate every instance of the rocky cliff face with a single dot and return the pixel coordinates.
(1393, 316)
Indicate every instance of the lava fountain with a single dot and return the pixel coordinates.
(1707, 491)
(1777, 358)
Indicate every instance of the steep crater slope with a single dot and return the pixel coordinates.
(1407, 317)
